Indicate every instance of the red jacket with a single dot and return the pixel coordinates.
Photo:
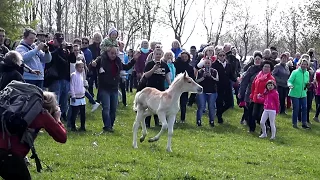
(271, 100)
(259, 86)
(43, 120)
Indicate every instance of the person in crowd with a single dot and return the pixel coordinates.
(316, 82)
(274, 55)
(95, 50)
(298, 84)
(245, 86)
(141, 63)
(176, 48)
(296, 59)
(156, 72)
(182, 64)
(3, 49)
(7, 43)
(111, 39)
(86, 51)
(130, 78)
(15, 44)
(12, 163)
(314, 63)
(193, 52)
(124, 59)
(48, 37)
(271, 108)
(77, 93)
(10, 69)
(109, 66)
(169, 59)
(208, 54)
(207, 77)
(224, 68)
(33, 56)
(257, 88)
(281, 72)
(57, 72)
(41, 37)
(292, 67)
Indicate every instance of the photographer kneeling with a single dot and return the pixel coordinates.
(12, 164)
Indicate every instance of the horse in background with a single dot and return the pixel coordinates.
(165, 104)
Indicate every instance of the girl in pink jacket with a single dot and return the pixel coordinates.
(271, 108)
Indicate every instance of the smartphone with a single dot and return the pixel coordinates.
(158, 63)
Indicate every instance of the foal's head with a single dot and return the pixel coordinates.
(187, 84)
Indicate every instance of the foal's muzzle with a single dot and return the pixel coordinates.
(200, 90)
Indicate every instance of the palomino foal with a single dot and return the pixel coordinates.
(165, 104)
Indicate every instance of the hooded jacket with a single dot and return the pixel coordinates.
(8, 73)
(247, 80)
(271, 100)
(298, 80)
(259, 86)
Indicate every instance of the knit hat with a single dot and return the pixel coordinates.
(111, 30)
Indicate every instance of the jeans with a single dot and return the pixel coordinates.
(123, 92)
(297, 104)
(129, 83)
(93, 79)
(223, 103)
(61, 88)
(232, 93)
(283, 93)
(38, 83)
(74, 114)
(148, 120)
(183, 105)
(192, 99)
(202, 100)
(109, 100)
(255, 112)
(90, 98)
(13, 167)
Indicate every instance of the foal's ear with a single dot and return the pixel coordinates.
(186, 74)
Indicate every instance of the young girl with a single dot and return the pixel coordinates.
(168, 58)
(271, 108)
(207, 77)
(78, 102)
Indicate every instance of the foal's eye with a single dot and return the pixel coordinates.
(189, 81)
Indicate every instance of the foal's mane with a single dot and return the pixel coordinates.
(177, 78)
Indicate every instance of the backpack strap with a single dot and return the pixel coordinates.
(29, 48)
(28, 139)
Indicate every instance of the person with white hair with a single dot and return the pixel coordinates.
(176, 48)
(141, 62)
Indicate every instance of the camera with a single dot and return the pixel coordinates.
(207, 69)
(69, 46)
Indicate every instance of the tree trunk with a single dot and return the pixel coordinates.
(50, 16)
(86, 19)
(66, 34)
(59, 15)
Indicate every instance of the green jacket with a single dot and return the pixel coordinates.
(298, 80)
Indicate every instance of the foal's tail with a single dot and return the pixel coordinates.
(135, 101)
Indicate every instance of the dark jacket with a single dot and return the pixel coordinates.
(8, 73)
(281, 73)
(106, 81)
(225, 75)
(234, 62)
(246, 82)
(95, 50)
(3, 51)
(181, 67)
(61, 60)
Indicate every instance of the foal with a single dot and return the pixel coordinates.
(165, 104)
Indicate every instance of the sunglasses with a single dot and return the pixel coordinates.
(221, 55)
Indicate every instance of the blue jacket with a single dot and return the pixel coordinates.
(34, 59)
(126, 61)
(176, 52)
(172, 74)
(87, 55)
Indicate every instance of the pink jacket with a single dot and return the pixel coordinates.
(271, 100)
(317, 79)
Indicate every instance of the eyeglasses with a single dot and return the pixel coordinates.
(85, 43)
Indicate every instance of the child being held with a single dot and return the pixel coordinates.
(78, 102)
(271, 108)
(111, 40)
(168, 58)
(207, 77)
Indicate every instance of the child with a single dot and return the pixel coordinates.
(111, 40)
(207, 77)
(168, 58)
(271, 108)
(78, 102)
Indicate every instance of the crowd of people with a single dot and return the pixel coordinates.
(264, 87)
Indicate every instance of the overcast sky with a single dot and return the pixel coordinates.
(257, 9)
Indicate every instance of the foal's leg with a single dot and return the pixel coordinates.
(143, 125)
(163, 120)
(171, 120)
(136, 126)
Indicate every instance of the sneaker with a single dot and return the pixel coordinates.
(295, 126)
(316, 119)
(220, 120)
(95, 107)
(305, 126)
(272, 138)
(263, 136)
(82, 129)
(199, 123)
(211, 123)
(183, 121)
(26, 160)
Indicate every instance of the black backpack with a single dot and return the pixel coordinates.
(20, 103)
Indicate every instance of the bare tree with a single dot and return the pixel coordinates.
(208, 25)
(177, 17)
(59, 12)
(221, 21)
(270, 34)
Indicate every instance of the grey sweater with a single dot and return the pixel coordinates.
(281, 73)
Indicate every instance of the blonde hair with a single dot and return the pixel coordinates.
(304, 58)
(169, 52)
(49, 101)
(176, 41)
(218, 49)
(208, 48)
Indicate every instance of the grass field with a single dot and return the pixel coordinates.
(224, 152)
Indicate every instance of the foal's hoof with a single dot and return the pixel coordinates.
(135, 147)
(169, 150)
(152, 140)
(142, 139)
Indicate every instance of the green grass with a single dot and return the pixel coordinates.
(224, 152)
